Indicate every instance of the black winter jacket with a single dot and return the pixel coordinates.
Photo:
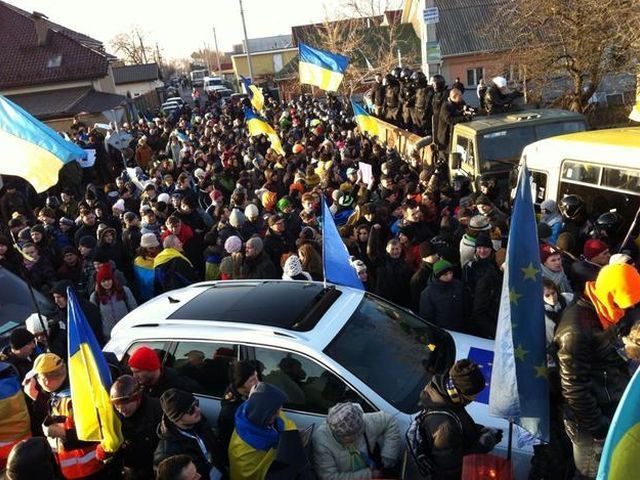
(392, 281)
(259, 267)
(419, 282)
(141, 439)
(173, 442)
(593, 375)
(171, 379)
(442, 432)
(444, 304)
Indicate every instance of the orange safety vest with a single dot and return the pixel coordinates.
(79, 462)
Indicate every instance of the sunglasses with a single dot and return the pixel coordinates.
(195, 405)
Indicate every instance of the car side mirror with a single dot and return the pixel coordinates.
(455, 160)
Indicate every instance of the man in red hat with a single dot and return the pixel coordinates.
(153, 377)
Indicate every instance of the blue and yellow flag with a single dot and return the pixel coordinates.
(519, 387)
(258, 126)
(90, 381)
(335, 258)
(321, 68)
(32, 150)
(621, 455)
(366, 122)
(255, 94)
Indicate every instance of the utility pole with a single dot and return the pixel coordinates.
(205, 54)
(215, 43)
(143, 50)
(246, 42)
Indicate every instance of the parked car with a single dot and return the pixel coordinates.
(320, 344)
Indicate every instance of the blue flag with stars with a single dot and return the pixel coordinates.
(519, 387)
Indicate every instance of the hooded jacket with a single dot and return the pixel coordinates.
(141, 439)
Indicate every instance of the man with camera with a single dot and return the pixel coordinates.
(454, 110)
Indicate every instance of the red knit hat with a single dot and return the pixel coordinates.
(145, 358)
(105, 272)
(594, 247)
(546, 250)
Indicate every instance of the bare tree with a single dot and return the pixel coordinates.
(361, 31)
(133, 47)
(568, 45)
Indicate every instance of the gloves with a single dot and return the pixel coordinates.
(489, 438)
(102, 455)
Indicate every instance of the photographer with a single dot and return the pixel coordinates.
(448, 431)
(497, 98)
(454, 110)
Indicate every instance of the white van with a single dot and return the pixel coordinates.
(602, 166)
(213, 83)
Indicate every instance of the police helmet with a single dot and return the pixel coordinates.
(397, 73)
(52, 202)
(438, 82)
(571, 206)
(406, 74)
(609, 224)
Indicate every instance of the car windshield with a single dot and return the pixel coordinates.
(392, 351)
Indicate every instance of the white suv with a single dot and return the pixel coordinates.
(320, 345)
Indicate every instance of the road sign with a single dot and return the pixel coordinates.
(431, 15)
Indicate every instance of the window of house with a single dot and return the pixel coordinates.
(309, 386)
(474, 75)
(54, 61)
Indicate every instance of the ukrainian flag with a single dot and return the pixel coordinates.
(255, 94)
(621, 454)
(32, 150)
(320, 68)
(90, 381)
(258, 126)
(366, 122)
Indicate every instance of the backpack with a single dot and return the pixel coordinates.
(419, 445)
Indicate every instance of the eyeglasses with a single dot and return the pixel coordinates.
(195, 405)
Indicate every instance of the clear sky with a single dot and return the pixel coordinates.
(183, 26)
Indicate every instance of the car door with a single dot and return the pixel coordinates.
(311, 388)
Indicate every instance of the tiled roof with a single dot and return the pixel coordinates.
(461, 29)
(67, 55)
(66, 102)
(136, 73)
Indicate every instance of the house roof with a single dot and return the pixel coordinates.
(136, 73)
(66, 102)
(66, 56)
(460, 29)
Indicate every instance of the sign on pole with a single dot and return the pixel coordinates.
(431, 15)
(433, 52)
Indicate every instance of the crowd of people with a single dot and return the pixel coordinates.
(203, 200)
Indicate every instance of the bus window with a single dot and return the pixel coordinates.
(621, 179)
(600, 200)
(539, 186)
(559, 128)
(580, 172)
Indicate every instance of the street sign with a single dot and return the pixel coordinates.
(433, 52)
(431, 15)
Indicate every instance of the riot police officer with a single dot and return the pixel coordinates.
(440, 95)
(576, 221)
(392, 106)
(407, 97)
(377, 96)
(421, 111)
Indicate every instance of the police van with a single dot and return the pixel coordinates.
(602, 166)
(493, 145)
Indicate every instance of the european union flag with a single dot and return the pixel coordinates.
(519, 387)
(620, 458)
(90, 381)
(335, 258)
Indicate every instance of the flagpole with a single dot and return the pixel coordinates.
(246, 41)
(324, 245)
(510, 440)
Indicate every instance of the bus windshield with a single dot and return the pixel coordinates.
(498, 149)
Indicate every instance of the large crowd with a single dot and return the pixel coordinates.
(203, 200)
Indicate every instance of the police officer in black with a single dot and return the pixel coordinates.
(407, 97)
(421, 110)
(377, 96)
(392, 106)
(440, 95)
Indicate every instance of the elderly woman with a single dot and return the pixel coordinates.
(344, 445)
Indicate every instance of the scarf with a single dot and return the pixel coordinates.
(258, 437)
(559, 278)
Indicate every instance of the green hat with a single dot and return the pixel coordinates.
(441, 267)
(282, 204)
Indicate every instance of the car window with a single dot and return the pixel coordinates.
(207, 364)
(160, 346)
(392, 351)
(309, 386)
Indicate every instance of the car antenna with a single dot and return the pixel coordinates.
(173, 300)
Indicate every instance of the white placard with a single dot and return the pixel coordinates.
(366, 171)
(91, 158)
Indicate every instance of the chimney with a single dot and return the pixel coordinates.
(42, 27)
